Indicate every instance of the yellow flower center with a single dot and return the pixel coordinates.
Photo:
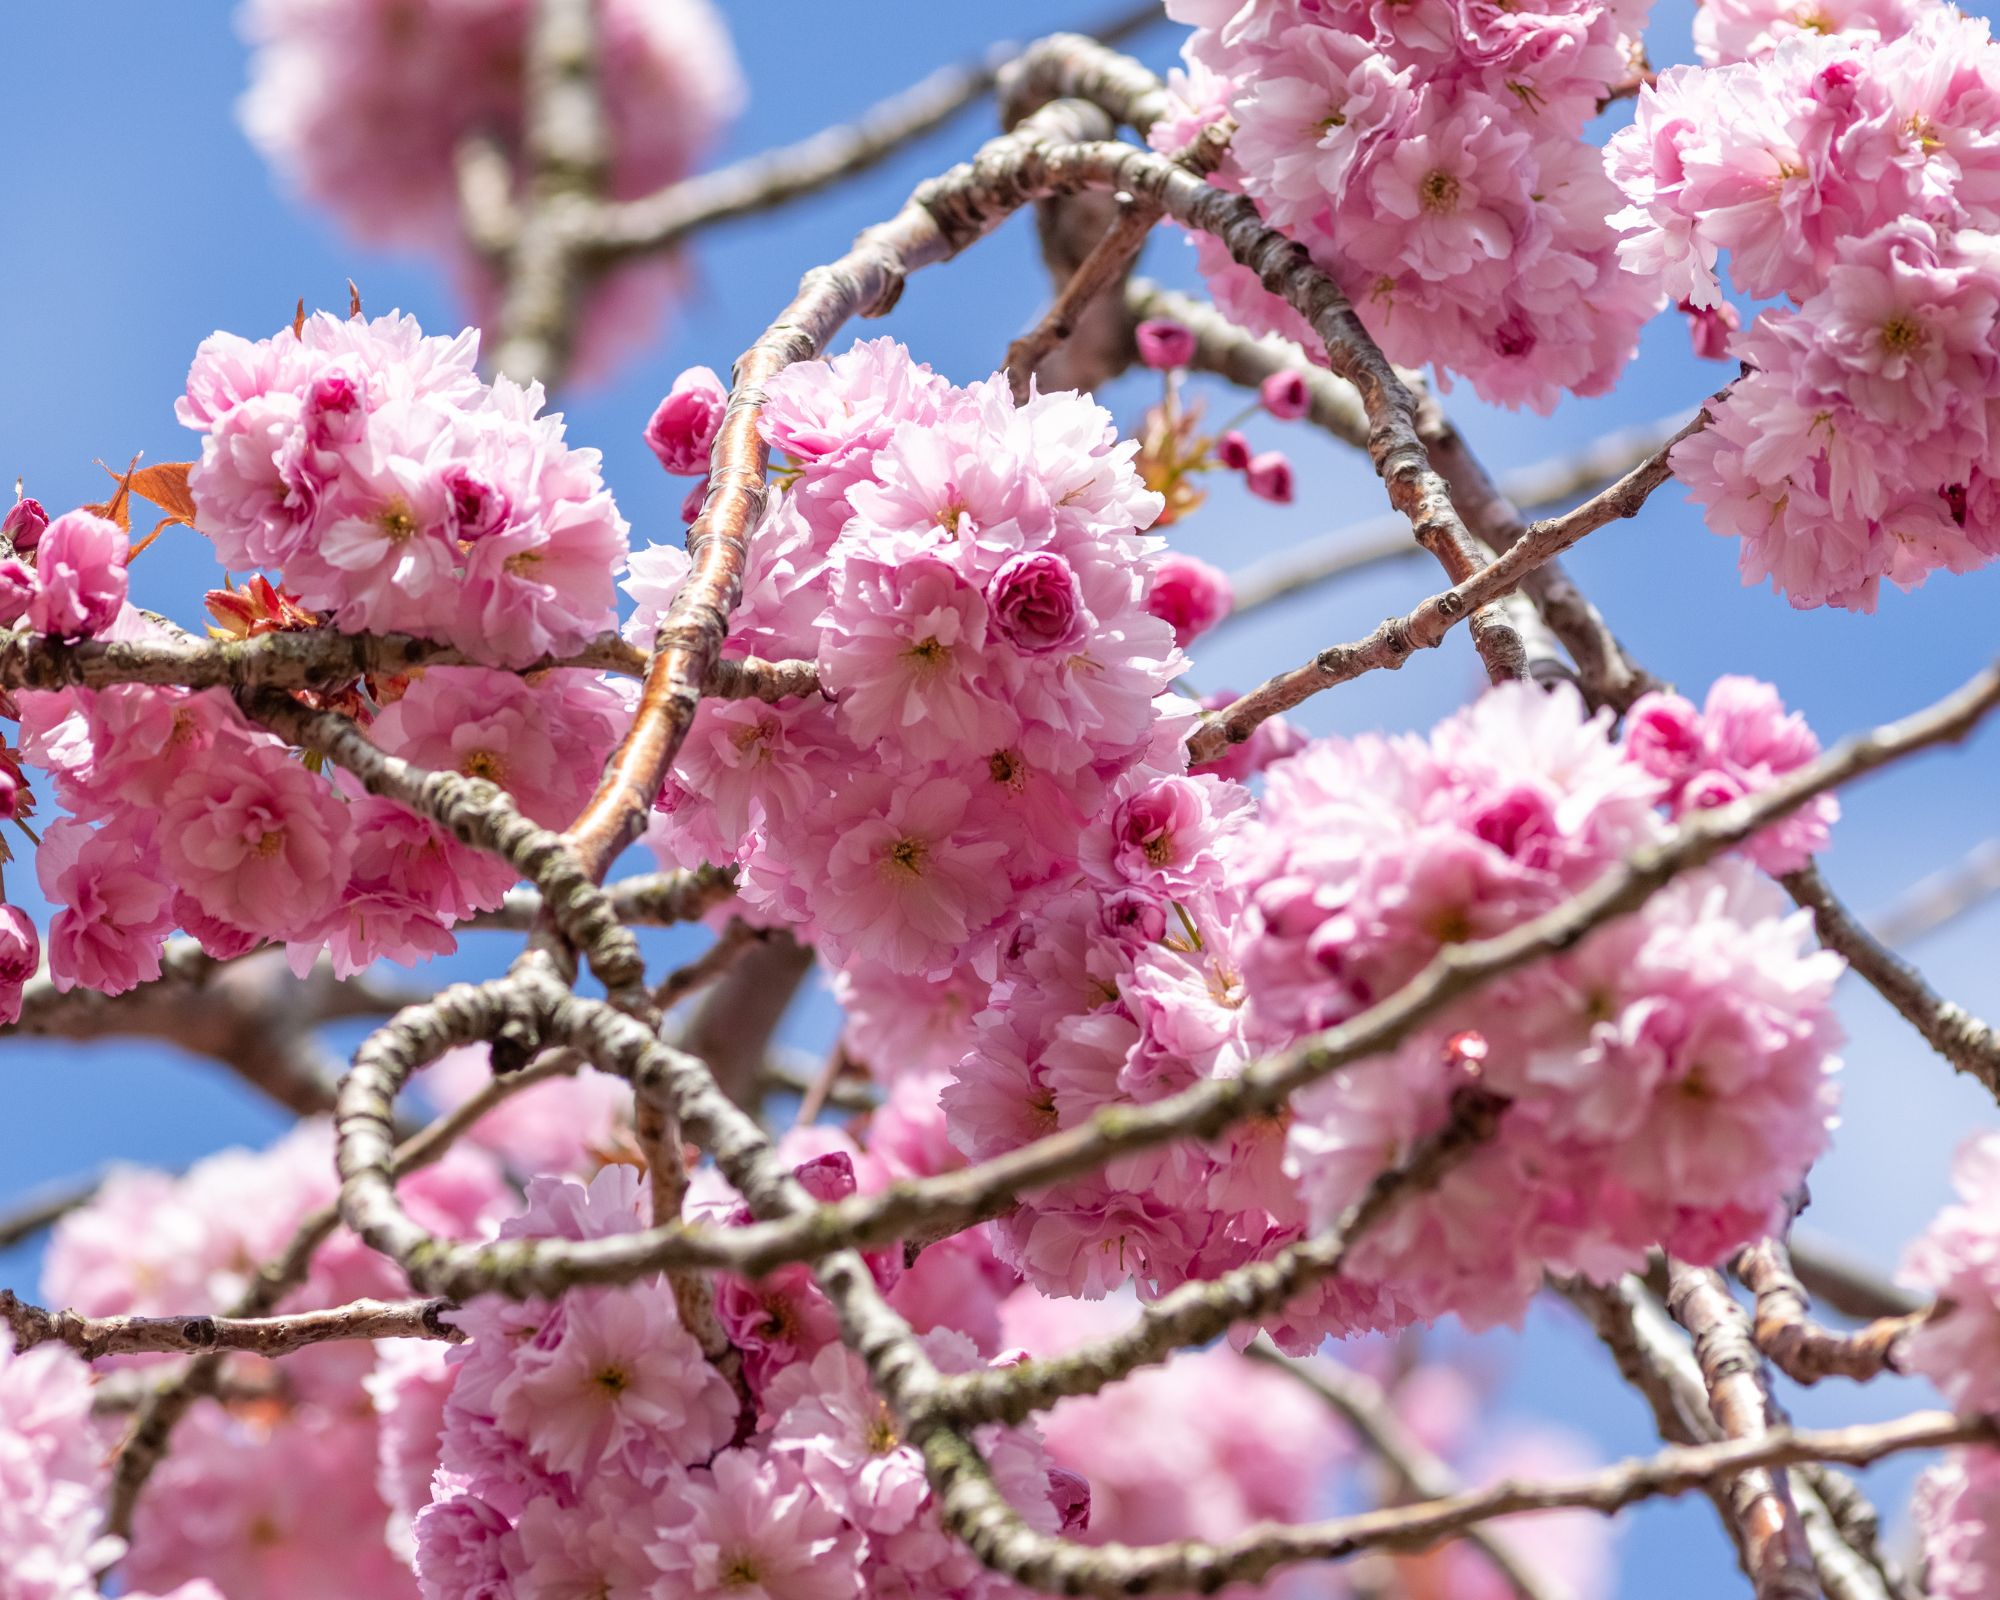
(1439, 191)
(908, 856)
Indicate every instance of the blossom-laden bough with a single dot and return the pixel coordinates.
(1414, 1028)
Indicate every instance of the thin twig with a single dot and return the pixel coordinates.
(1845, 1283)
(773, 177)
(1941, 899)
(1202, 1111)
(1384, 539)
(44, 1208)
(1420, 1474)
(1392, 643)
(1970, 1045)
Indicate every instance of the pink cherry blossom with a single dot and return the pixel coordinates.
(1956, 1259)
(1957, 1510)
(257, 840)
(113, 901)
(750, 1522)
(684, 424)
(909, 873)
(52, 1474)
(846, 1442)
(80, 576)
(622, 1381)
(1743, 740)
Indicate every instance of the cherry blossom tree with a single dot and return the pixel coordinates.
(1188, 1068)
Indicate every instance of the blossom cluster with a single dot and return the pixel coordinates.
(1437, 169)
(396, 490)
(183, 814)
(1727, 31)
(1957, 1511)
(972, 578)
(270, 1490)
(1668, 1081)
(53, 1475)
(365, 107)
(391, 489)
(292, 1481)
(586, 1444)
(1851, 179)
(1741, 740)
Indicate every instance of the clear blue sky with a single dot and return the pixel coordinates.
(139, 220)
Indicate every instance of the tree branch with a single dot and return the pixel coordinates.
(94, 1338)
(1798, 1347)
(1774, 1543)
(1391, 644)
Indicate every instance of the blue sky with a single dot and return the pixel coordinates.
(139, 220)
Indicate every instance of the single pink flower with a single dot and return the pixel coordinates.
(685, 424)
(1034, 603)
(80, 573)
(257, 840)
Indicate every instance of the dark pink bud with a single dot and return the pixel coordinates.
(478, 505)
(1285, 396)
(1069, 1493)
(1709, 327)
(1232, 450)
(1133, 916)
(1663, 736)
(691, 504)
(1270, 477)
(1034, 603)
(1518, 823)
(20, 954)
(1710, 790)
(1834, 86)
(336, 409)
(827, 1178)
(1190, 594)
(23, 524)
(1164, 344)
(687, 421)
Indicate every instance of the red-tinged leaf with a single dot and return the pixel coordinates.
(353, 300)
(299, 319)
(166, 485)
(118, 508)
(159, 528)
